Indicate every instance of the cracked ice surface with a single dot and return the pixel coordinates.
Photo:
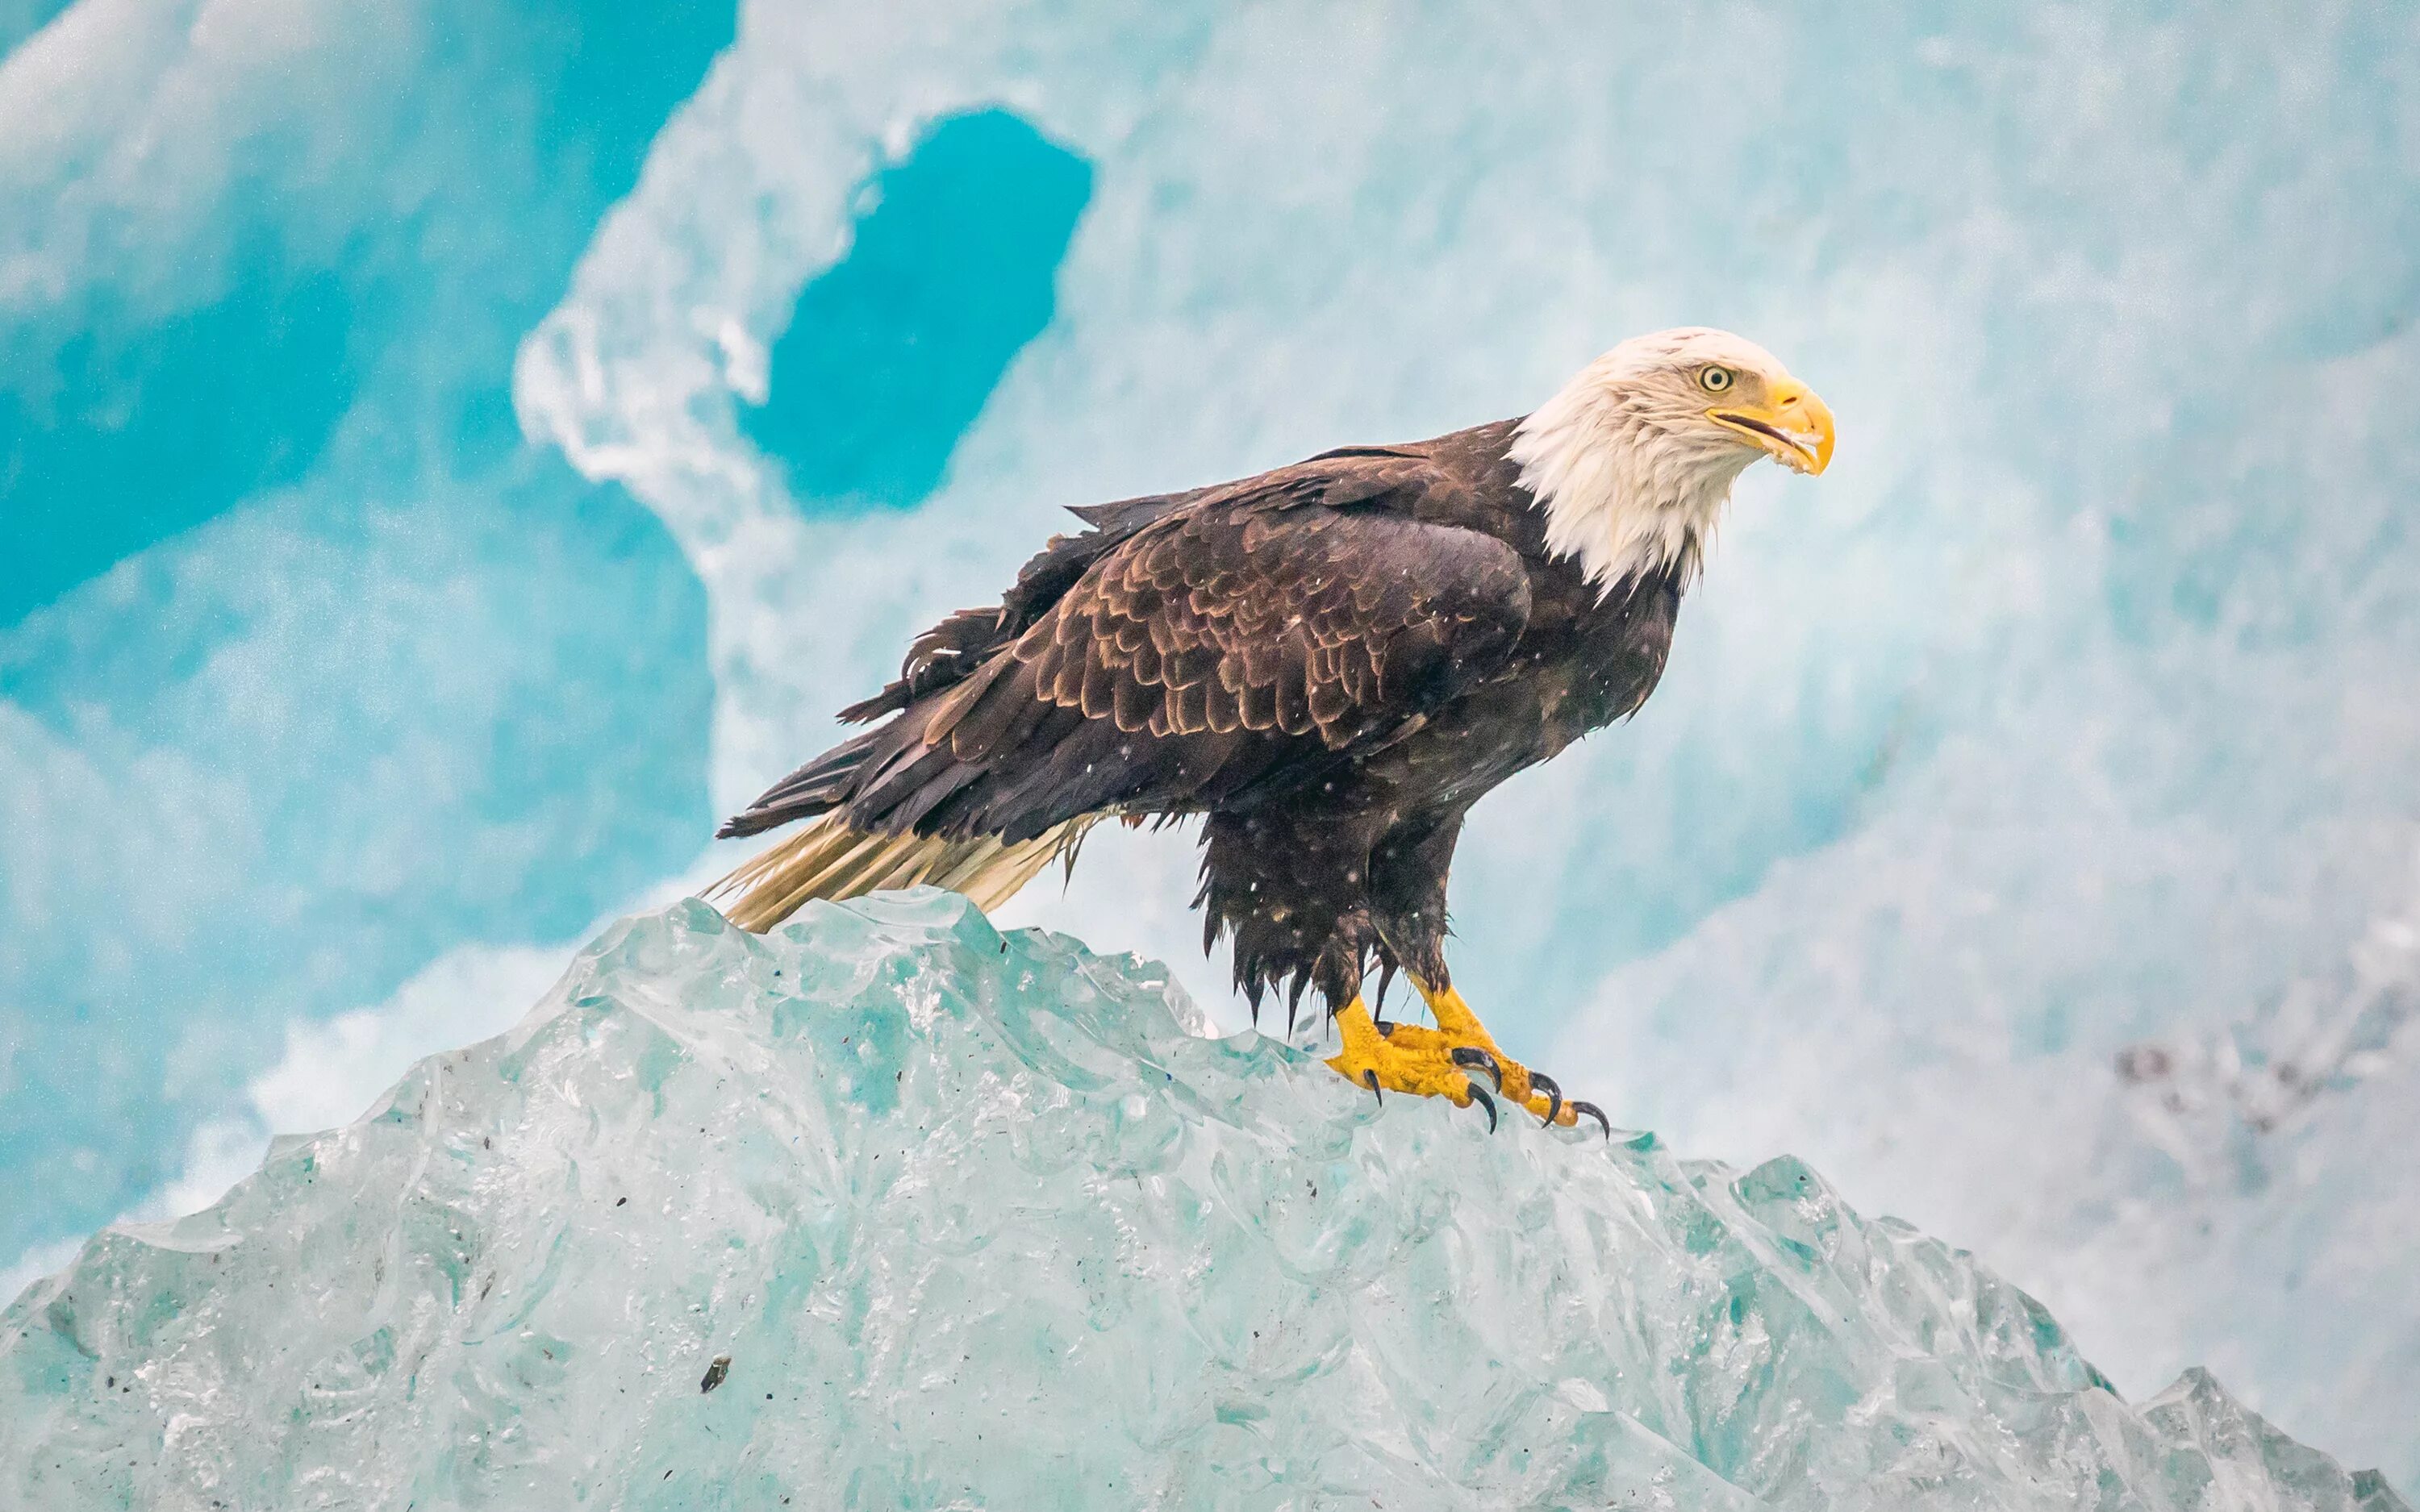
(948, 1217)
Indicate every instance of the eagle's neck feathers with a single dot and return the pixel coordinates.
(1627, 491)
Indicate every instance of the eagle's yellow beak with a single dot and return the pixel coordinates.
(1792, 425)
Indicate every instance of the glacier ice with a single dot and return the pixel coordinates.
(895, 1210)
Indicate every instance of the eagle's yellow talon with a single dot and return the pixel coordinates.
(1486, 1102)
(1412, 1061)
(1445, 1061)
(1470, 1054)
(1553, 1096)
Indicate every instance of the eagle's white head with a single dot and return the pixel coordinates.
(1633, 460)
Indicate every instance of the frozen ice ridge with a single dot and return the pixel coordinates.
(891, 1210)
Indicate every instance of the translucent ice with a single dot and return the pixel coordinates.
(892, 1209)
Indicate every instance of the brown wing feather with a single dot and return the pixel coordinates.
(1258, 632)
(956, 646)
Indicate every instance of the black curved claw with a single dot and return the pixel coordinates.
(1592, 1111)
(1470, 1054)
(1545, 1083)
(1370, 1080)
(1479, 1095)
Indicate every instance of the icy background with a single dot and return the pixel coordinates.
(892, 1210)
(450, 453)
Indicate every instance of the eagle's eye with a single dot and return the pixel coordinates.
(1714, 378)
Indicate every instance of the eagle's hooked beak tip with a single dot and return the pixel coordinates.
(1794, 427)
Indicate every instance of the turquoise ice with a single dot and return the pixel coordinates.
(895, 1210)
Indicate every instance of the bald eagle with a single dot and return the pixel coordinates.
(1328, 664)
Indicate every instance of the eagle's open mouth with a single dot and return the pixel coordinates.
(1799, 450)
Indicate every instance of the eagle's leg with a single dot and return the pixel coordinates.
(1407, 874)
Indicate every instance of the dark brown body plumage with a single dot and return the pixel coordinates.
(1329, 662)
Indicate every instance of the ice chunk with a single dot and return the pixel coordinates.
(893, 1209)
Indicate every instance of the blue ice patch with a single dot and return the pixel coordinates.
(889, 356)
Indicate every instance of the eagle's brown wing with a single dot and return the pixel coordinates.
(1256, 635)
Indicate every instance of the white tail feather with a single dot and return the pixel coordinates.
(828, 860)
